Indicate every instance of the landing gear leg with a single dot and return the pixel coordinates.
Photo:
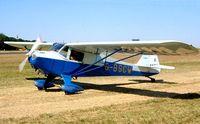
(48, 83)
(69, 87)
(152, 79)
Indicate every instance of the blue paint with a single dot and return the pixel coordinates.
(40, 84)
(70, 87)
(59, 67)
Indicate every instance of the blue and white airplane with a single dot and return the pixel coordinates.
(87, 59)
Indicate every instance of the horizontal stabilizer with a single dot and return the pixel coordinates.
(157, 67)
(166, 67)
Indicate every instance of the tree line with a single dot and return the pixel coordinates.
(4, 37)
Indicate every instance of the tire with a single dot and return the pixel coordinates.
(40, 88)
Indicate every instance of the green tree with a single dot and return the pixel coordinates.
(3, 38)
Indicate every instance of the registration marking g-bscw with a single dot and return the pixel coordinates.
(118, 68)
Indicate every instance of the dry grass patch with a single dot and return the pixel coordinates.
(150, 111)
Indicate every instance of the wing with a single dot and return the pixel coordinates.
(28, 45)
(151, 47)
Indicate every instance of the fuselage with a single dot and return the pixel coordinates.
(55, 63)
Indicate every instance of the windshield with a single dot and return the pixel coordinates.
(64, 51)
(56, 47)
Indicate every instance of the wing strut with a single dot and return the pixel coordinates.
(128, 57)
(82, 71)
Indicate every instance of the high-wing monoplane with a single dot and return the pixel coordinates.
(86, 59)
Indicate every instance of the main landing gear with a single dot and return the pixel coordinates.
(44, 84)
(68, 87)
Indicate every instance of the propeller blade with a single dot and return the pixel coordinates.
(22, 64)
(35, 46)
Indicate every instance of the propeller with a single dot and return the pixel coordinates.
(34, 47)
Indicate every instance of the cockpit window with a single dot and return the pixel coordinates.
(56, 47)
(64, 51)
(77, 56)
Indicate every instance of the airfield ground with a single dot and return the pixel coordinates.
(174, 98)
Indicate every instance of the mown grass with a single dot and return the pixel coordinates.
(9, 73)
(185, 66)
(152, 111)
(168, 110)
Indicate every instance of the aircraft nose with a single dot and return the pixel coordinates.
(33, 60)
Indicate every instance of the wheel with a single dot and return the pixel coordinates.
(68, 93)
(75, 78)
(39, 88)
(45, 89)
(153, 80)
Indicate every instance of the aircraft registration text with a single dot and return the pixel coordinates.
(118, 68)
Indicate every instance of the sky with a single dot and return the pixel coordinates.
(101, 20)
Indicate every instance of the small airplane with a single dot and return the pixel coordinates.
(86, 59)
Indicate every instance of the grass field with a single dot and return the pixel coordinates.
(174, 98)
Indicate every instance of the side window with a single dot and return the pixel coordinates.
(64, 51)
(77, 56)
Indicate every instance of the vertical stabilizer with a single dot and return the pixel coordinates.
(149, 61)
(152, 61)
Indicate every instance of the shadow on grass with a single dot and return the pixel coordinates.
(149, 81)
(36, 78)
(56, 81)
(187, 96)
(135, 91)
(53, 90)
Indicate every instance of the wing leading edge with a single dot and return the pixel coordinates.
(28, 45)
(150, 47)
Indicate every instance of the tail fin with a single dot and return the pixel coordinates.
(152, 61)
(148, 61)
